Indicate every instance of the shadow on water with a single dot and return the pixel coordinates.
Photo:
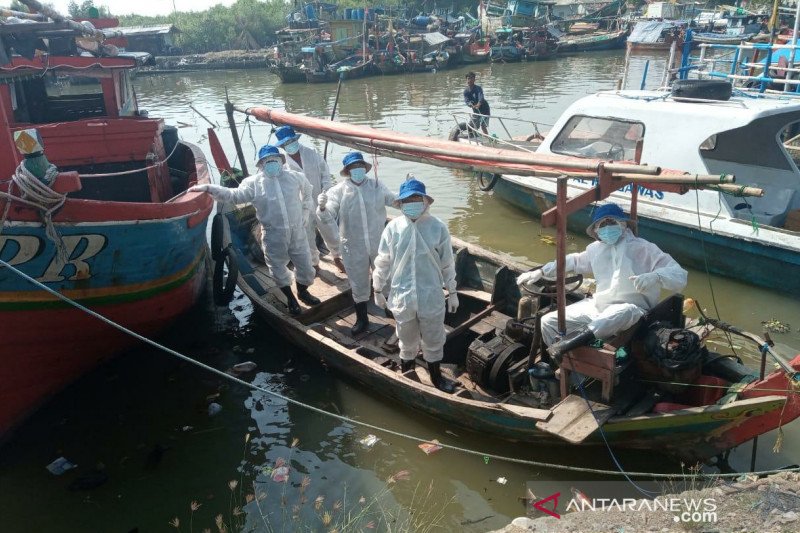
(144, 415)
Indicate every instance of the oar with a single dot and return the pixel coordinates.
(333, 114)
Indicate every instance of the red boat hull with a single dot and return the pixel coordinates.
(49, 348)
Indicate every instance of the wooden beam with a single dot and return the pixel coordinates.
(604, 188)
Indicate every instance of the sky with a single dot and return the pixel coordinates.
(144, 7)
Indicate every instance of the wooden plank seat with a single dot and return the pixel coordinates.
(601, 363)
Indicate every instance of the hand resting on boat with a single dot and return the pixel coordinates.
(548, 271)
(198, 188)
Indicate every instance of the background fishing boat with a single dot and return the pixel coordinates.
(124, 241)
(602, 40)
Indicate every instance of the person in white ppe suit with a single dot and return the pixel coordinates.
(282, 200)
(416, 258)
(359, 204)
(308, 161)
(630, 273)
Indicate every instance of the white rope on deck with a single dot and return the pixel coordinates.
(485, 455)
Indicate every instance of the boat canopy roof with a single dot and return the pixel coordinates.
(649, 31)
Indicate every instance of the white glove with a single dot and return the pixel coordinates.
(322, 200)
(529, 277)
(198, 188)
(644, 282)
(452, 303)
(380, 300)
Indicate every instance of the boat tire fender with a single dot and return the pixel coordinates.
(498, 376)
(702, 89)
(217, 230)
(224, 287)
(455, 133)
(487, 181)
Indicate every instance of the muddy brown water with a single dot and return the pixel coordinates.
(143, 415)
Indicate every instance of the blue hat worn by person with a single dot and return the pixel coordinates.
(269, 151)
(604, 211)
(285, 135)
(351, 159)
(413, 186)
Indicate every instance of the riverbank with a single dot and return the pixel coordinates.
(765, 505)
(228, 59)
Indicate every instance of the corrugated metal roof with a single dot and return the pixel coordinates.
(162, 29)
(435, 38)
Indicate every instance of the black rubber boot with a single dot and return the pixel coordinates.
(291, 301)
(305, 296)
(435, 370)
(581, 337)
(405, 366)
(362, 320)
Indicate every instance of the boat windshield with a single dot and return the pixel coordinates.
(56, 97)
(599, 137)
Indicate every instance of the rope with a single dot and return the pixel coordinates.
(37, 194)
(484, 455)
(132, 171)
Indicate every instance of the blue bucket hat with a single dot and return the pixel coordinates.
(285, 135)
(269, 151)
(411, 187)
(350, 159)
(609, 210)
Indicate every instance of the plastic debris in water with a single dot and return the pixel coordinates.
(502, 480)
(214, 408)
(369, 441)
(247, 366)
(60, 465)
(773, 325)
(280, 474)
(430, 447)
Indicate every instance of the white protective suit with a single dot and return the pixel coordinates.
(616, 304)
(282, 206)
(418, 259)
(316, 171)
(361, 212)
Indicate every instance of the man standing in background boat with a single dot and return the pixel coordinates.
(308, 161)
(282, 200)
(415, 258)
(473, 97)
(359, 204)
(630, 273)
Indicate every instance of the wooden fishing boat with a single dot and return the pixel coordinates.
(489, 350)
(126, 242)
(288, 72)
(569, 44)
(656, 35)
(385, 62)
(478, 51)
(539, 45)
(506, 48)
(351, 67)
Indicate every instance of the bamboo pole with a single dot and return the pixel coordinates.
(20, 15)
(236, 143)
(685, 179)
(320, 128)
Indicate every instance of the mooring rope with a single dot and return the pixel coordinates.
(37, 194)
(485, 455)
(134, 170)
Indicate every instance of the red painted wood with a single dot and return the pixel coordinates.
(37, 63)
(217, 152)
(46, 350)
(8, 153)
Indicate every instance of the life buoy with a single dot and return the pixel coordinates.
(223, 288)
(217, 230)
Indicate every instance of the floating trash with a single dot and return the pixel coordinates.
(247, 366)
(280, 474)
(214, 409)
(502, 480)
(773, 325)
(60, 465)
(369, 441)
(430, 447)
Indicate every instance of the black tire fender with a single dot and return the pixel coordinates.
(702, 89)
(217, 230)
(224, 287)
(487, 181)
(455, 133)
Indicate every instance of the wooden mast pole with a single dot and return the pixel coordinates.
(232, 126)
(561, 252)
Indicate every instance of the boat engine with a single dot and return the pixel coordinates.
(488, 360)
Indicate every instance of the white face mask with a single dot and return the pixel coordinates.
(413, 210)
(358, 175)
(272, 168)
(292, 148)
